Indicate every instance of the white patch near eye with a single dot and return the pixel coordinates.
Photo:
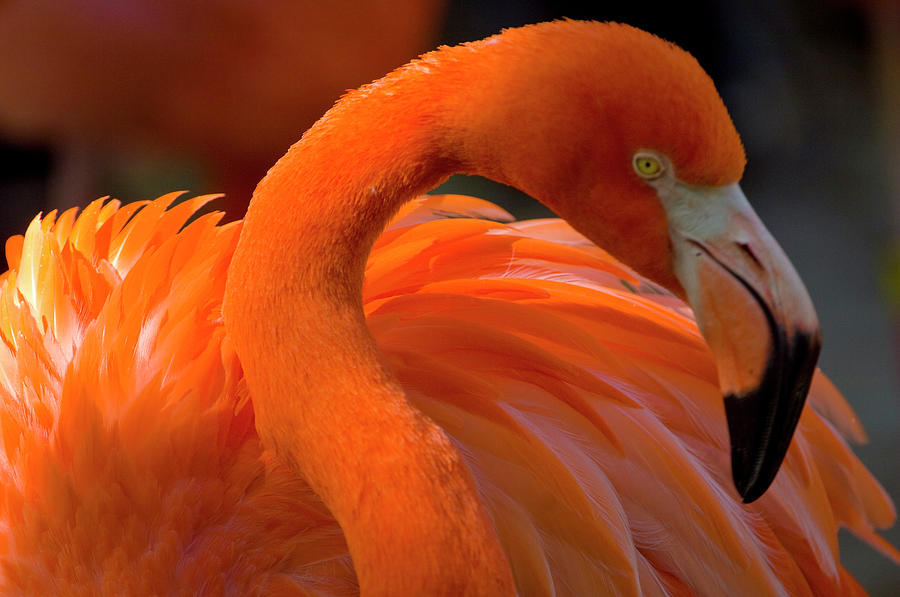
(705, 212)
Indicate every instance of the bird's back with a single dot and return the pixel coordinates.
(582, 397)
(131, 465)
(588, 407)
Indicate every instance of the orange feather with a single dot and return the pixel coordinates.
(130, 461)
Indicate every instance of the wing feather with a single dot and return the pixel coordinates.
(655, 446)
(581, 395)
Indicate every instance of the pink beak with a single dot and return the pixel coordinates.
(757, 318)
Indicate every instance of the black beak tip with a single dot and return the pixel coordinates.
(753, 461)
(761, 422)
(753, 494)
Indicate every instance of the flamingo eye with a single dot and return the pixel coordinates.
(647, 166)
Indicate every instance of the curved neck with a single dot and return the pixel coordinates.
(323, 399)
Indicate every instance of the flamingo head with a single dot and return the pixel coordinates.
(634, 147)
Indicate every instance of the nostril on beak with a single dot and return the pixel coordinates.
(748, 251)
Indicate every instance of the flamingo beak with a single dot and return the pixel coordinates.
(756, 317)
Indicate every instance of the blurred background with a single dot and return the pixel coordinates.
(136, 98)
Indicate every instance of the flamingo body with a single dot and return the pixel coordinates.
(581, 396)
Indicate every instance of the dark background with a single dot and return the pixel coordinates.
(812, 87)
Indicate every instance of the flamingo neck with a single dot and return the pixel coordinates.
(323, 398)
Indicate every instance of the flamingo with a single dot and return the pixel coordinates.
(205, 83)
(356, 390)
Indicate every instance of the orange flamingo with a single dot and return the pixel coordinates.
(499, 408)
(226, 84)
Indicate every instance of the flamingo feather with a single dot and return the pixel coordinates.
(142, 468)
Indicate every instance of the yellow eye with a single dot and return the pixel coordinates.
(647, 166)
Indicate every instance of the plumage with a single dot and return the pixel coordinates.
(526, 398)
(131, 462)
